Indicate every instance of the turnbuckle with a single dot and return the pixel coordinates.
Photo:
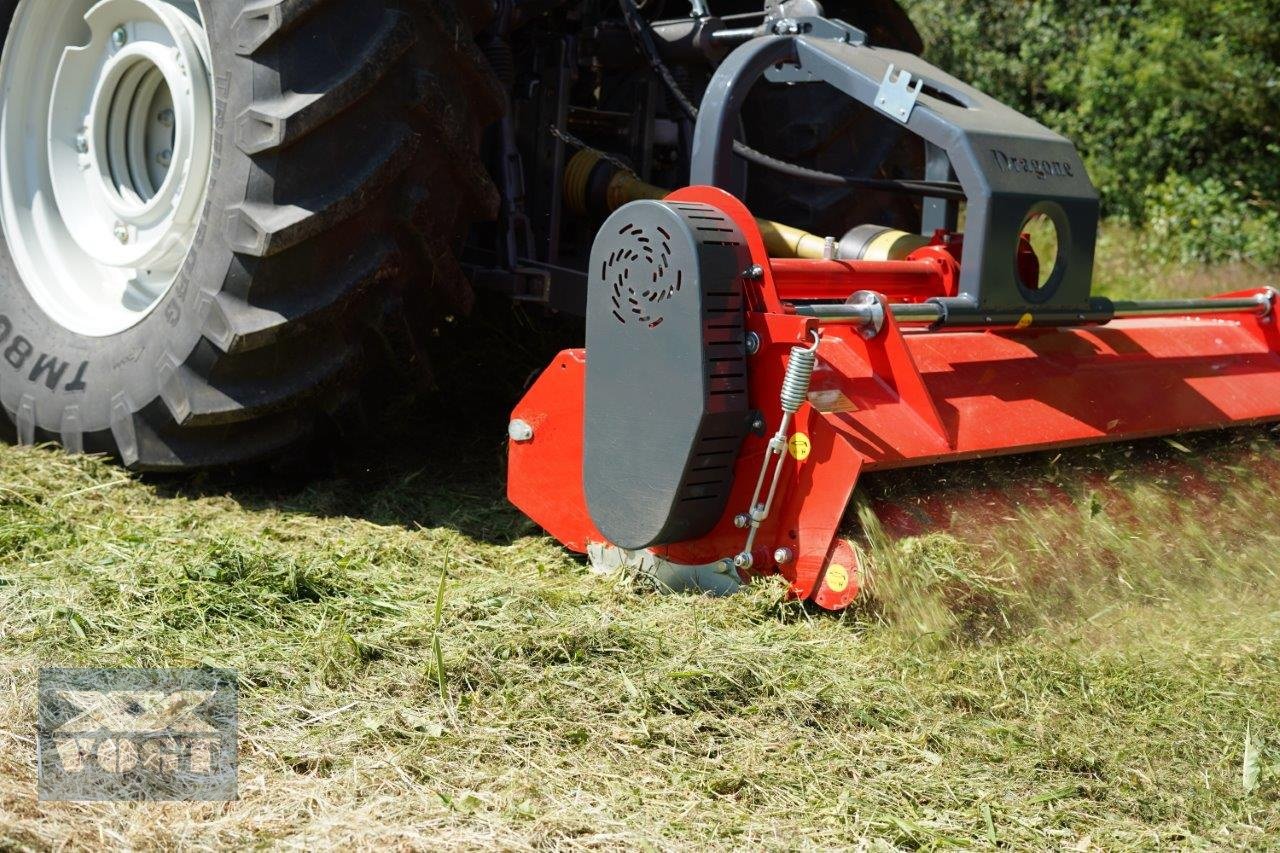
(794, 393)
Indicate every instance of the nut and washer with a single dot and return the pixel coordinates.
(783, 555)
(520, 430)
(753, 343)
(1267, 298)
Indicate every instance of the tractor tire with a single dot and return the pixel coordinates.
(320, 165)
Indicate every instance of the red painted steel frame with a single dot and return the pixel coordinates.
(900, 281)
(906, 398)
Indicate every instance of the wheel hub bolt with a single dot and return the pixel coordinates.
(165, 157)
(165, 118)
(82, 143)
(120, 37)
(122, 232)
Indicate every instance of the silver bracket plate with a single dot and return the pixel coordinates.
(897, 96)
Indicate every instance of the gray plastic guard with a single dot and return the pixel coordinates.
(1009, 166)
(666, 389)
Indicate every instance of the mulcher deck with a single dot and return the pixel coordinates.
(896, 397)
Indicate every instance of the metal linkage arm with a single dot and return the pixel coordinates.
(1009, 167)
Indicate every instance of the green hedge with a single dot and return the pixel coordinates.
(1174, 103)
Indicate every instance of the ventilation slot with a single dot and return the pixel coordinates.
(640, 276)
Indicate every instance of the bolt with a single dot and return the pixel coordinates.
(741, 520)
(165, 157)
(753, 343)
(755, 272)
(782, 556)
(520, 430)
(82, 143)
(743, 560)
(758, 424)
(122, 232)
(829, 249)
(120, 37)
(1268, 298)
(165, 118)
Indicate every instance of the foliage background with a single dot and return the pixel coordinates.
(1175, 105)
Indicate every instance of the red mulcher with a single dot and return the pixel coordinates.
(726, 403)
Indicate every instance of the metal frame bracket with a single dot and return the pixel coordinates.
(1009, 166)
(831, 29)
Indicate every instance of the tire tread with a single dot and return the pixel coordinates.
(345, 239)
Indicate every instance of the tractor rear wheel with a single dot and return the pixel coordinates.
(223, 219)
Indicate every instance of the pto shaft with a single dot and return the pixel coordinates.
(592, 181)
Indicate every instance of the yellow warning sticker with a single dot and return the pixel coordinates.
(1025, 320)
(799, 446)
(837, 578)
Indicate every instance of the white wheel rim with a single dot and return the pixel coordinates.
(106, 140)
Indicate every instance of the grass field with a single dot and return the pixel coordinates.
(1099, 670)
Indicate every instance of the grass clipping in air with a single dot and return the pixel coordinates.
(1046, 540)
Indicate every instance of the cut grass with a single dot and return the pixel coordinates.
(578, 712)
(1089, 658)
